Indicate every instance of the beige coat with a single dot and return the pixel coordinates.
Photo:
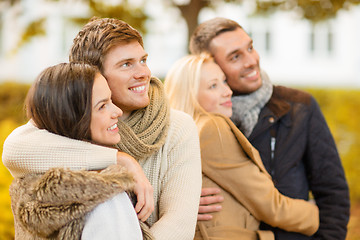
(231, 163)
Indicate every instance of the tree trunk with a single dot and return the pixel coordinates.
(190, 13)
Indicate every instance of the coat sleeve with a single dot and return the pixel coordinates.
(225, 162)
(327, 179)
(29, 149)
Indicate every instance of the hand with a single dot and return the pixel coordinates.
(143, 189)
(209, 196)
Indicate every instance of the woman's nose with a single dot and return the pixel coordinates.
(227, 90)
(117, 112)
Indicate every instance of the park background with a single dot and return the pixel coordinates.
(306, 44)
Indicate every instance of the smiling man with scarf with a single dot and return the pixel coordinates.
(163, 140)
(285, 125)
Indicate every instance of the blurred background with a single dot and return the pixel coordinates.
(306, 44)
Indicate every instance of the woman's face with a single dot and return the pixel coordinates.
(104, 114)
(214, 93)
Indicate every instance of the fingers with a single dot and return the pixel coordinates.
(140, 202)
(145, 200)
(145, 205)
(210, 209)
(204, 217)
(210, 191)
(205, 210)
(211, 200)
(208, 203)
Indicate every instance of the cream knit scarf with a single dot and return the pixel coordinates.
(145, 130)
(246, 108)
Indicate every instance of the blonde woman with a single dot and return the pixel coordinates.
(196, 85)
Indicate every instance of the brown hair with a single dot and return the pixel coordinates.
(206, 31)
(60, 100)
(98, 36)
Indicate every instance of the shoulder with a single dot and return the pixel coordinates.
(21, 133)
(181, 120)
(30, 134)
(181, 128)
(292, 95)
(212, 124)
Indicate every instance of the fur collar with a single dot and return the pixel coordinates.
(53, 205)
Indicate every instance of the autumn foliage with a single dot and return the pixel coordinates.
(341, 108)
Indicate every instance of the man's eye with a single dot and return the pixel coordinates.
(125, 64)
(143, 60)
(235, 57)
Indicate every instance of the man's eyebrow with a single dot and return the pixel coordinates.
(232, 52)
(123, 60)
(130, 59)
(236, 50)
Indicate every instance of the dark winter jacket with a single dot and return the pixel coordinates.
(304, 159)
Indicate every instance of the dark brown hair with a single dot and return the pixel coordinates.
(60, 100)
(98, 36)
(206, 31)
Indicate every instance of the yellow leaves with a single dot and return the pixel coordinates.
(341, 109)
(6, 217)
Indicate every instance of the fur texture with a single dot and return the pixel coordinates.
(54, 205)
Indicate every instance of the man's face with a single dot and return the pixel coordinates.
(234, 53)
(128, 76)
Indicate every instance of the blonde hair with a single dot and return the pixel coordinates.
(182, 84)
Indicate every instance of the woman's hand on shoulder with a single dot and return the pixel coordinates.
(143, 189)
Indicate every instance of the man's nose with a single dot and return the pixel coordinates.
(250, 60)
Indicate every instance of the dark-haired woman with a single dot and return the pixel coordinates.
(59, 200)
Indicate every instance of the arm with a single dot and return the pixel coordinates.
(142, 189)
(327, 179)
(225, 162)
(180, 183)
(29, 149)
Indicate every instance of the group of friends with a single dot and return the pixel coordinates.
(215, 152)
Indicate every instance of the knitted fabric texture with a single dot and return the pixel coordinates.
(145, 130)
(246, 108)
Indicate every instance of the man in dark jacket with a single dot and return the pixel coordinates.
(285, 125)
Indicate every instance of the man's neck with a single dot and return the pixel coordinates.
(125, 115)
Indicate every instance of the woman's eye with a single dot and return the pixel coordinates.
(213, 86)
(102, 106)
(143, 60)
